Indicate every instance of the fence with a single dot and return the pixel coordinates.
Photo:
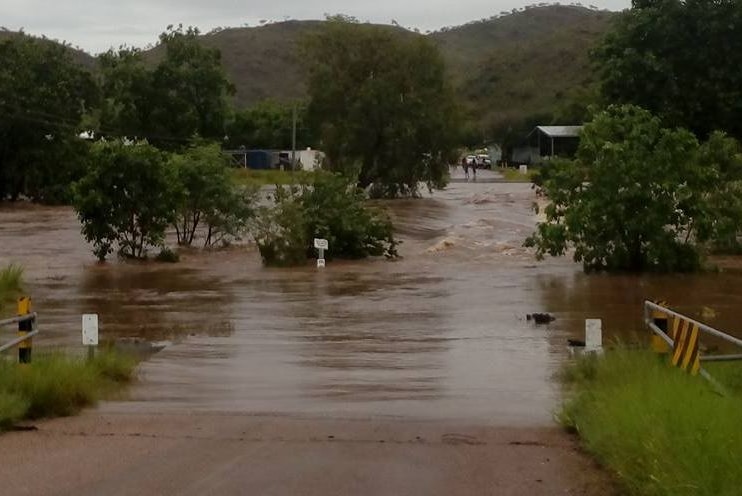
(27, 329)
(680, 335)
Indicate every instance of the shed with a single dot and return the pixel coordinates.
(554, 141)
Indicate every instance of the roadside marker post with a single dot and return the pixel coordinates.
(594, 336)
(321, 245)
(24, 327)
(90, 333)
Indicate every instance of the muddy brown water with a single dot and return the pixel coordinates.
(440, 333)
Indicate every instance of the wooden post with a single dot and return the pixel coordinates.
(24, 327)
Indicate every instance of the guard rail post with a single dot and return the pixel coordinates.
(24, 327)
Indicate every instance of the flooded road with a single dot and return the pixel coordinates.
(439, 334)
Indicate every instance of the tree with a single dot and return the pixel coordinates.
(638, 197)
(43, 97)
(329, 206)
(269, 125)
(185, 95)
(680, 60)
(127, 198)
(381, 104)
(208, 196)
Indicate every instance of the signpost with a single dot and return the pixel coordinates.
(90, 332)
(321, 245)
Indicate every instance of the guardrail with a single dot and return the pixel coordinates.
(680, 335)
(27, 329)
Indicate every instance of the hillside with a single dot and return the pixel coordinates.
(507, 68)
(79, 56)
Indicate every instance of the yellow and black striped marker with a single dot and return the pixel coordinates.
(686, 350)
(24, 327)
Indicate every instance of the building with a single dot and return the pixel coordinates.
(545, 142)
(276, 159)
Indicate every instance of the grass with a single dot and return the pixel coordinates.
(658, 429)
(250, 177)
(514, 175)
(11, 281)
(57, 385)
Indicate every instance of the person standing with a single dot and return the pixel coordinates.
(465, 165)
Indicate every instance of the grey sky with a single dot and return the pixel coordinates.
(96, 25)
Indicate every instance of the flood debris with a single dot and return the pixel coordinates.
(541, 318)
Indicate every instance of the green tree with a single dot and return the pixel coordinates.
(43, 97)
(269, 125)
(208, 196)
(183, 96)
(126, 199)
(381, 105)
(680, 60)
(638, 196)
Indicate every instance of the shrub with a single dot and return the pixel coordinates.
(208, 195)
(330, 207)
(11, 278)
(167, 255)
(126, 199)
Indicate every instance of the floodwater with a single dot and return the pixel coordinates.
(440, 333)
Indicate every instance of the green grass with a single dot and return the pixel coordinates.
(11, 280)
(514, 175)
(249, 177)
(661, 431)
(56, 385)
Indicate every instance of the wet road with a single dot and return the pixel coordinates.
(439, 334)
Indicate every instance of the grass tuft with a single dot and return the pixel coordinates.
(514, 175)
(250, 177)
(659, 429)
(57, 385)
(11, 282)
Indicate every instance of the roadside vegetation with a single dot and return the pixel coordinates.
(58, 385)
(658, 429)
(514, 175)
(11, 280)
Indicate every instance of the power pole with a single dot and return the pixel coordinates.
(293, 142)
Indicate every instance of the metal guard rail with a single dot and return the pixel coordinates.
(17, 320)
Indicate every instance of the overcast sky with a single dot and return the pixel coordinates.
(96, 25)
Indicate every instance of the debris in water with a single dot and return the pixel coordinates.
(708, 313)
(443, 245)
(541, 318)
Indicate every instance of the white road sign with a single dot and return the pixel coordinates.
(321, 244)
(90, 329)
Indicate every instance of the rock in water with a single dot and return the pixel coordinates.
(541, 318)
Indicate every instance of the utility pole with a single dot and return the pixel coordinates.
(293, 142)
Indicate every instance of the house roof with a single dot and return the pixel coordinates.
(560, 131)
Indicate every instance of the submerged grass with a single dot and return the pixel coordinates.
(55, 384)
(250, 177)
(11, 280)
(658, 429)
(514, 175)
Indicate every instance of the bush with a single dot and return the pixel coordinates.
(11, 278)
(126, 199)
(208, 195)
(638, 197)
(330, 207)
(662, 431)
(167, 255)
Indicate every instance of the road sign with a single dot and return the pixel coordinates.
(90, 329)
(321, 244)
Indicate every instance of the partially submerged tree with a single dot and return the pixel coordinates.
(207, 196)
(638, 197)
(381, 105)
(329, 206)
(127, 199)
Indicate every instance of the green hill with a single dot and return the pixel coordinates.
(506, 68)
